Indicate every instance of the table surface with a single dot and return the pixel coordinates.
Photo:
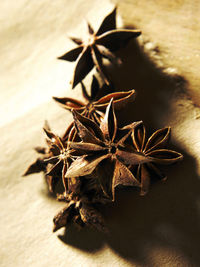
(160, 229)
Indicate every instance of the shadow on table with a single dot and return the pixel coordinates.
(167, 217)
(85, 239)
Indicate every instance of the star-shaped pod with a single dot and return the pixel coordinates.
(105, 152)
(94, 109)
(55, 161)
(153, 148)
(100, 44)
(62, 157)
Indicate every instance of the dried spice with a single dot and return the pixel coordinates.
(94, 155)
(81, 212)
(101, 146)
(154, 149)
(58, 151)
(100, 44)
(80, 208)
(55, 159)
(94, 109)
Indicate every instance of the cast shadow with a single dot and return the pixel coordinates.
(167, 217)
(86, 239)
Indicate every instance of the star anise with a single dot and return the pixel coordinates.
(55, 161)
(153, 148)
(100, 44)
(94, 108)
(61, 159)
(105, 152)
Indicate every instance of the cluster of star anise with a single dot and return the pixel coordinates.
(94, 155)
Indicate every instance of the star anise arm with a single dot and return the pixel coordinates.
(139, 137)
(94, 88)
(87, 129)
(49, 134)
(47, 126)
(53, 168)
(164, 156)
(111, 173)
(70, 103)
(86, 135)
(115, 39)
(158, 139)
(123, 176)
(84, 165)
(86, 148)
(96, 117)
(109, 23)
(51, 175)
(109, 123)
(120, 99)
(104, 175)
(124, 132)
(37, 166)
(73, 54)
(132, 158)
(76, 40)
(40, 150)
(70, 133)
(83, 66)
(64, 170)
(90, 29)
(84, 92)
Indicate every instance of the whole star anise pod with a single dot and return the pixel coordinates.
(105, 152)
(154, 149)
(100, 44)
(95, 108)
(55, 161)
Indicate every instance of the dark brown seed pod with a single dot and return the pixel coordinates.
(153, 148)
(102, 147)
(101, 44)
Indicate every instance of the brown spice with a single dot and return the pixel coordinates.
(100, 44)
(153, 149)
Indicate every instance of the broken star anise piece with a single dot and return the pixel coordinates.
(100, 44)
(154, 149)
(104, 152)
(81, 212)
(94, 109)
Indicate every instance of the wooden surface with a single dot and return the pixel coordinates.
(161, 229)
